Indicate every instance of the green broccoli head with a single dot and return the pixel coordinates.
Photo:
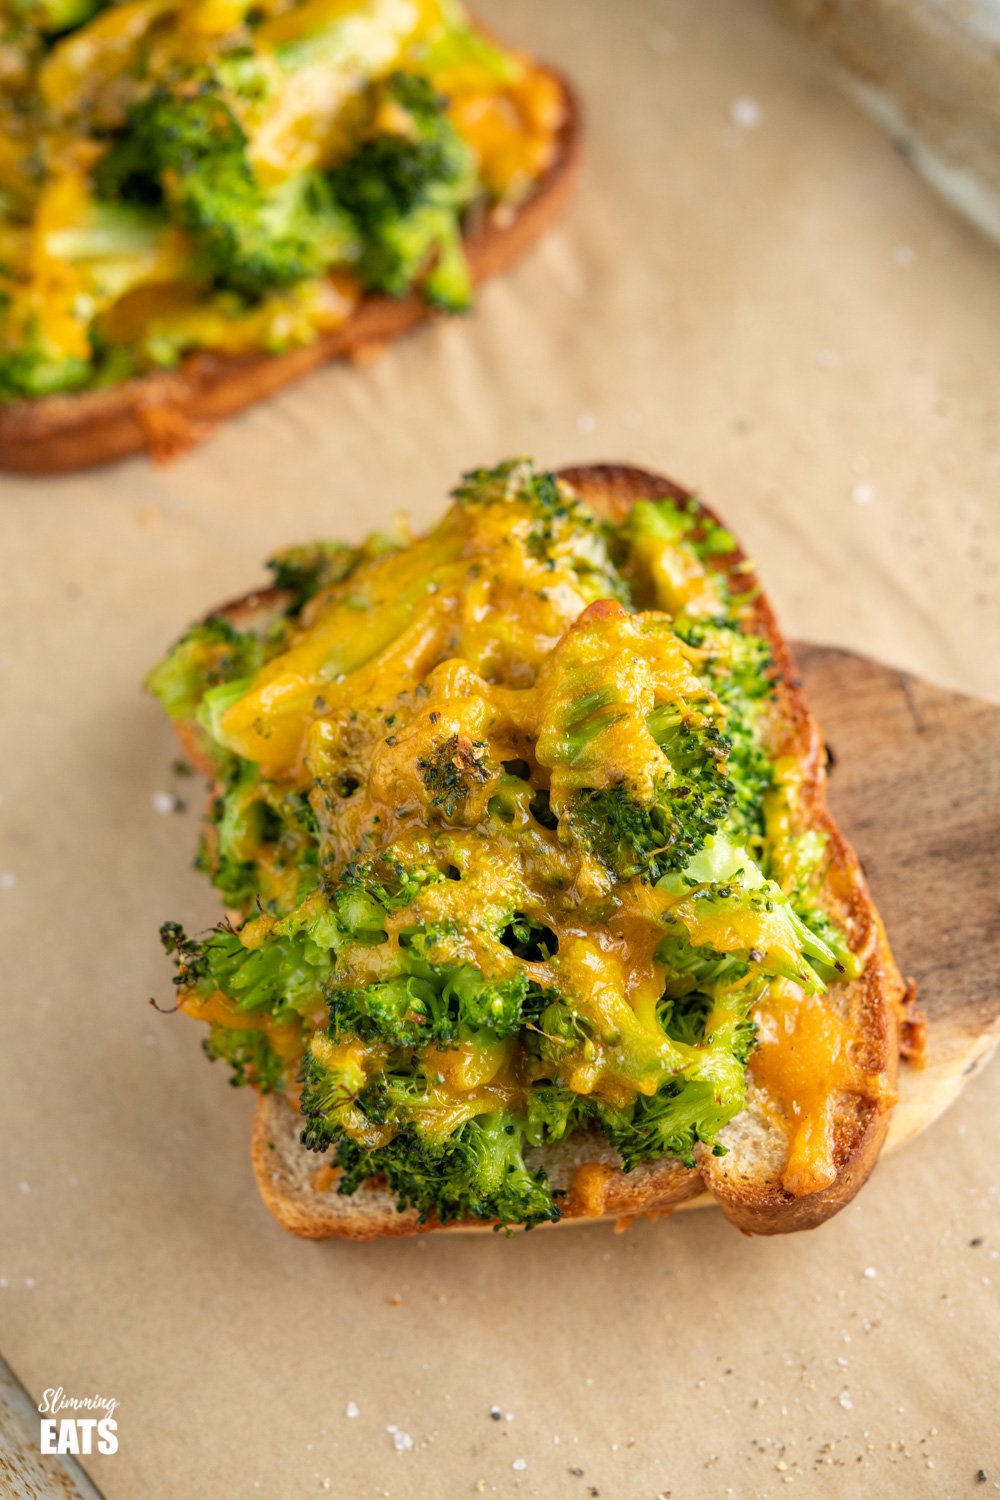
(34, 368)
(260, 847)
(251, 1058)
(682, 1114)
(440, 1008)
(281, 973)
(189, 150)
(479, 1172)
(691, 800)
(406, 188)
(631, 738)
(209, 654)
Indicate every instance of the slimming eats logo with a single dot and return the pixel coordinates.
(86, 1434)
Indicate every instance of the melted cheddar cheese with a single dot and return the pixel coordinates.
(804, 1063)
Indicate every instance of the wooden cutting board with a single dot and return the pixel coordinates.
(914, 781)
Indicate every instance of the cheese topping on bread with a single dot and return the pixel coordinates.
(508, 823)
(183, 175)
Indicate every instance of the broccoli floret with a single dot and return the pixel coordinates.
(517, 481)
(406, 189)
(285, 974)
(108, 250)
(563, 530)
(479, 1172)
(637, 761)
(250, 1056)
(799, 867)
(728, 895)
(670, 1123)
(211, 653)
(688, 1110)
(387, 881)
(191, 150)
(440, 1007)
(35, 368)
(739, 667)
(692, 798)
(261, 844)
(305, 570)
(552, 1113)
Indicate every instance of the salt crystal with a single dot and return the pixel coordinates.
(401, 1441)
(845, 1401)
(745, 113)
(519, 1464)
(351, 1409)
(863, 494)
(164, 802)
(870, 1272)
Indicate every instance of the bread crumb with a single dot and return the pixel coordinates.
(401, 1441)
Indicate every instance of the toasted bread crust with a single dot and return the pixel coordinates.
(754, 1201)
(167, 412)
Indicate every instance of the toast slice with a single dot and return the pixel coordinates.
(752, 1183)
(167, 412)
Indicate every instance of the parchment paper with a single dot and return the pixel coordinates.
(777, 312)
